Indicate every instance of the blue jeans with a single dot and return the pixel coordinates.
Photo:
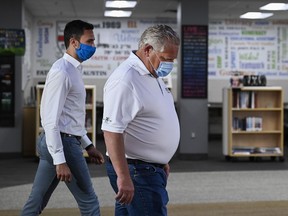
(150, 196)
(46, 180)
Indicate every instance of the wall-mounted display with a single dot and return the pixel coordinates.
(194, 61)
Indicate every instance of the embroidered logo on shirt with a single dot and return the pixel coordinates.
(107, 120)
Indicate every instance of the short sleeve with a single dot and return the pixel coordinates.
(121, 104)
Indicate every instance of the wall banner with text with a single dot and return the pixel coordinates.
(241, 47)
(114, 40)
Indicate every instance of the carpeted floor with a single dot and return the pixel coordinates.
(267, 208)
(214, 187)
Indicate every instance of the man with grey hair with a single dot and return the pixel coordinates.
(140, 125)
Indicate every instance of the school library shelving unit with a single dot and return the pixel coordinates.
(253, 122)
(90, 122)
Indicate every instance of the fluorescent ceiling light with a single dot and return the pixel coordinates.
(117, 13)
(255, 15)
(120, 4)
(275, 6)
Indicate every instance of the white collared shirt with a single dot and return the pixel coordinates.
(62, 106)
(142, 108)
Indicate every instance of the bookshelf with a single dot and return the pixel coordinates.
(90, 122)
(253, 122)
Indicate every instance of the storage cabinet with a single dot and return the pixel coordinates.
(90, 122)
(253, 122)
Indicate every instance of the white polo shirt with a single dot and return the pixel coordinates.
(142, 108)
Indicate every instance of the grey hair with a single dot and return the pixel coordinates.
(158, 36)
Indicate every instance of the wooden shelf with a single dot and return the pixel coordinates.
(253, 120)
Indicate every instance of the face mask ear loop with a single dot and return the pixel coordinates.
(157, 56)
(151, 62)
(152, 65)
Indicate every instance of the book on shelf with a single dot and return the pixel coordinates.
(271, 150)
(242, 150)
(253, 124)
(235, 99)
(255, 150)
(266, 150)
(252, 100)
(247, 124)
(244, 99)
(241, 153)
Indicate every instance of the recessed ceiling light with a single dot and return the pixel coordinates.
(255, 15)
(117, 13)
(275, 6)
(120, 4)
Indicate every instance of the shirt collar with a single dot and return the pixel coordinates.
(73, 61)
(138, 64)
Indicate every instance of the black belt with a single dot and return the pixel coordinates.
(70, 135)
(137, 162)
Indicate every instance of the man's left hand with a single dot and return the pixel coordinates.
(95, 156)
(167, 169)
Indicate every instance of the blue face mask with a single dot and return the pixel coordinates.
(164, 68)
(85, 51)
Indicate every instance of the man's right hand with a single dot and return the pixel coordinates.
(63, 172)
(125, 190)
(116, 150)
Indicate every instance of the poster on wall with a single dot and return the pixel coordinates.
(194, 61)
(12, 42)
(114, 41)
(245, 47)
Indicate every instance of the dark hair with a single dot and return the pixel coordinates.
(75, 29)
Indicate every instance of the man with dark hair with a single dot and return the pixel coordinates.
(140, 125)
(62, 112)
